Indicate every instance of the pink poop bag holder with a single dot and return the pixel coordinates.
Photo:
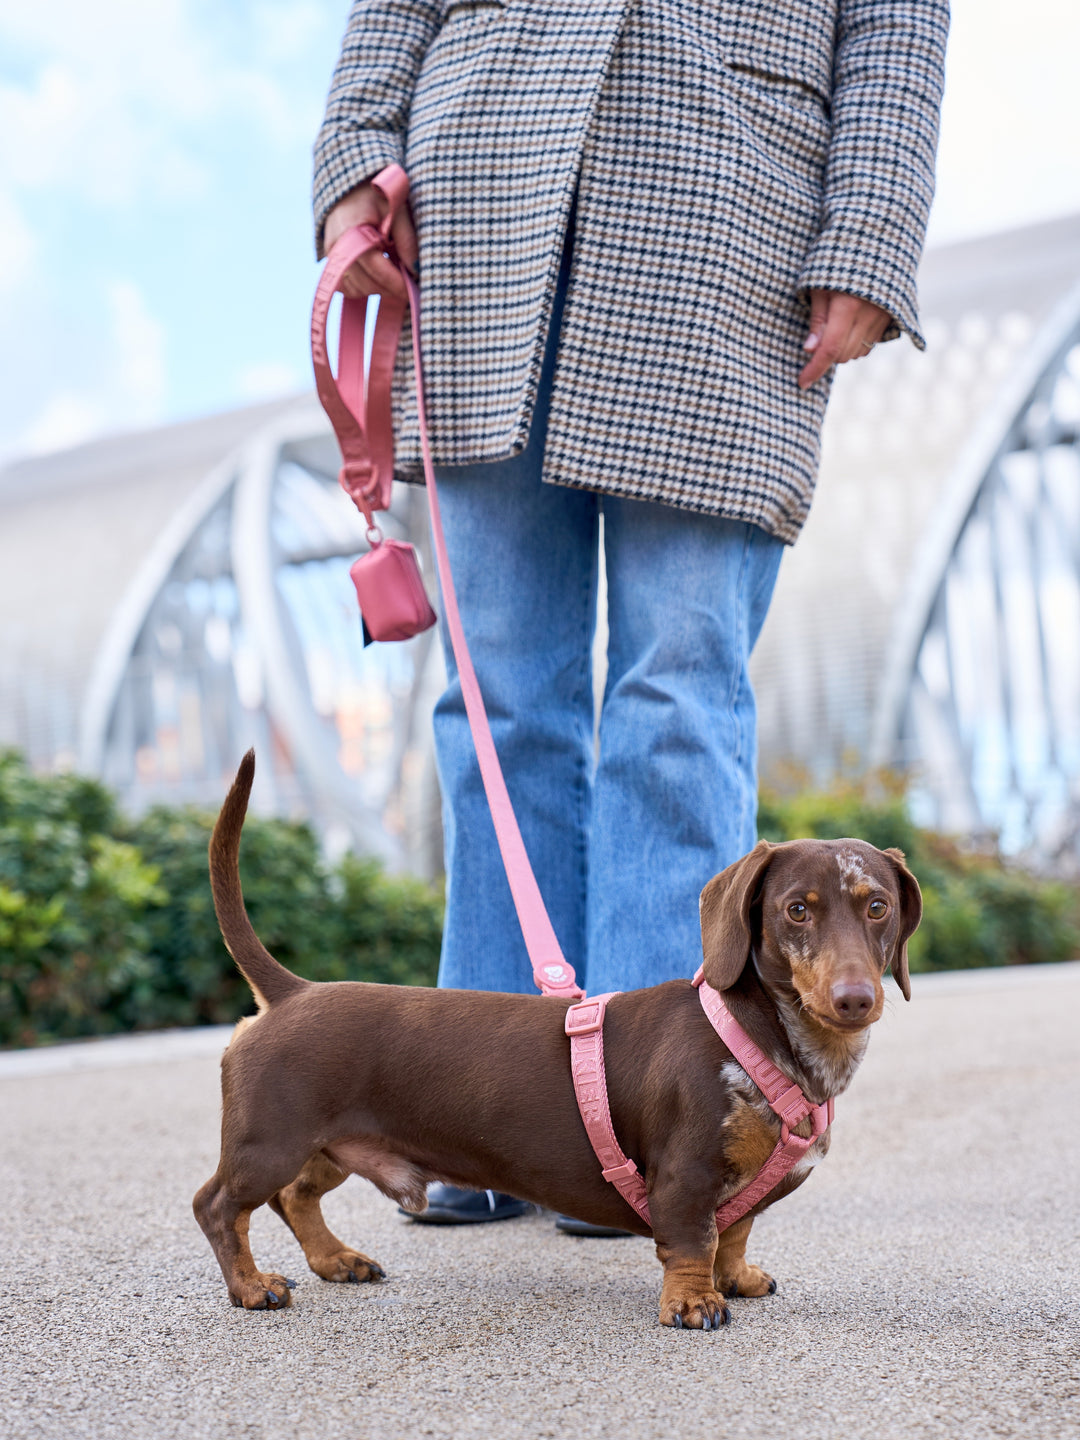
(393, 602)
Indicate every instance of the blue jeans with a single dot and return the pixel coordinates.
(623, 836)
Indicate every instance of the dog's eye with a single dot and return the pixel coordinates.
(877, 910)
(798, 911)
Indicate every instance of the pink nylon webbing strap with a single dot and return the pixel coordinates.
(584, 1025)
(360, 412)
(785, 1100)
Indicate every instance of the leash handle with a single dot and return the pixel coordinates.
(360, 411)
(355, 403)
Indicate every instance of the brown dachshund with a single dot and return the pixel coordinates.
(405, 1086)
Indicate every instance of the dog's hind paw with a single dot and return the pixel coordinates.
(748, 1281)
(346, 1267)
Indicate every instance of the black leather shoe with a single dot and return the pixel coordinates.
(569, 1226)
(450, 1205)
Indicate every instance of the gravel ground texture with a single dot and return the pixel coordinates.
(929, 1271)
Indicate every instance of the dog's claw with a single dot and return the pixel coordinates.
(677, 1322)
(273, 1300)
(772, 1287)
(353, 1278)
(731, 1293)
(291, 1284)
(378, 1273)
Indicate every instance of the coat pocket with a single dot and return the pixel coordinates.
(466, 9)
(785, 91)
(783, 43)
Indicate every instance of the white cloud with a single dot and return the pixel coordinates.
(269, 381)
(132, 118)
(125, 388)
(122, 99)
(139, 353)
(18, 248)
(65, 419)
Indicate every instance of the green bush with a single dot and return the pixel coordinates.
(978, 909)
(388, 926)
(108, 924)
(353, 923)
(73, 906)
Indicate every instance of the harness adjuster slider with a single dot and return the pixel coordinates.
(791, 1106)
(618, 1173)
(584, 1019)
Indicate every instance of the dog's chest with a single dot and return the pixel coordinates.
(752, 1130)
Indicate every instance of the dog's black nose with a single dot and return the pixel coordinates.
(852, 1000)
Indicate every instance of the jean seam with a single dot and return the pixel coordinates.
(585, 691)
(736, 675)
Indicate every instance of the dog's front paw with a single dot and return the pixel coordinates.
(746, 1280)
(346, 1267)
(261, 1292)
(704, 1311)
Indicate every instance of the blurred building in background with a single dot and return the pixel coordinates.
(171, 597)
(929, 617)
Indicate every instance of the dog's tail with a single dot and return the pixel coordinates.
(269, 980)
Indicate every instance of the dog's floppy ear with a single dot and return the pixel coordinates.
(725, 916)
(910, 915)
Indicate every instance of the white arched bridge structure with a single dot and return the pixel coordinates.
(171, 597)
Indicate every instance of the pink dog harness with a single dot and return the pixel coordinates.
(585, 1026)
(358, 406)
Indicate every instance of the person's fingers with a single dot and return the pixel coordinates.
(832, 343)
(819, 314)
(353, 284)
(870, 325)
(404, 237)
(358, 281)
(381, 275)
(372, 273)
(852, 329)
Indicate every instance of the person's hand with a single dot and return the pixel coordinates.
(372, 273)
(842, 327)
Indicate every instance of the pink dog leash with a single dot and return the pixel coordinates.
(362, 420)
(361, 417)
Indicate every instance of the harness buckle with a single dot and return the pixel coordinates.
(557, 978)
(822, 1116)
(820, 1120)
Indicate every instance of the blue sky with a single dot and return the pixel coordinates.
(155, 245)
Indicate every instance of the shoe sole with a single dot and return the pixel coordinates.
(585, 1231)
(433, 1215)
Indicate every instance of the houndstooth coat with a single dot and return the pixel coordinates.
(728, 156)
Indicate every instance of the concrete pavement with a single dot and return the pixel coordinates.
(929, 1271)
